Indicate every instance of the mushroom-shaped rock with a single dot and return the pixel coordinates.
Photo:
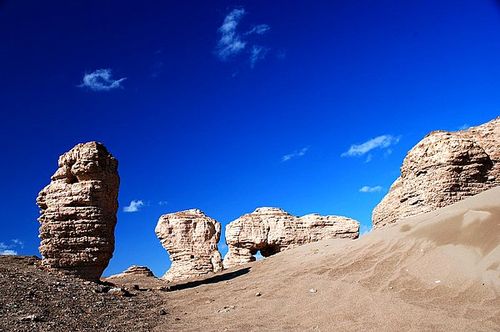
(191, 239)
(272, 230)
(78, 212)
(443, 168)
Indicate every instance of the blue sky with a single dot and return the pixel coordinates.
(227, 106)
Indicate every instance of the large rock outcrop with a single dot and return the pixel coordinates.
(271, 230)
(443, 168)
(191, 239)
(78, 212)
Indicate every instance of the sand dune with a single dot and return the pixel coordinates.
(435, 271)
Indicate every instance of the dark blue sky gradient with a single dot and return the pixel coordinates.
(196, 131)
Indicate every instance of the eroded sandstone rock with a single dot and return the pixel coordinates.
(134, 271)
(443, 168)
(191, 239)
(271, 230)
(78, 212)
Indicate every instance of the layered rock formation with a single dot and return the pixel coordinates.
(443, 168)
(191, 239)
(134, 271)
(271, 230)
(78, 212)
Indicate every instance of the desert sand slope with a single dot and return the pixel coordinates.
(433, 272)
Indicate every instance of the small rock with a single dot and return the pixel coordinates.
(258, 294)
(163, 312)
(32, 318)
(102, 289)
(313, 290)
(226, 309)
(119, 291)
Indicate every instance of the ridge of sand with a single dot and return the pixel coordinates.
(435, 271)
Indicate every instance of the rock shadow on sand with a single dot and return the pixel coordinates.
(212, 280)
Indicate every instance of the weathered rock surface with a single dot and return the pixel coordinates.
(191, 239)
(443, 168)
(134, 271)
(271, 230)
(78, 212)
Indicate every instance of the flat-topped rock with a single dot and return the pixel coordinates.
(443, 168)
(272, 230)
(191, 239)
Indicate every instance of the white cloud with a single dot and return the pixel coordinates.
(295, 154)
(101, 80)
(259, 29)
(257, 53)
(368, 189)
(134, 206)
(379, 142)
(162, 203)
(8, 252)
(18, 242)
(230, 42)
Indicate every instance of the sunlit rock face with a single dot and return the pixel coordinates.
(78, 212)
(443, 168)
(271, 230)
(133, 271)
(191, 239)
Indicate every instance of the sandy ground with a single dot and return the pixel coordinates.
(433, 272)
(437, 271)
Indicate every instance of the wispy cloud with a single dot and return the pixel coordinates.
(134, 206)
(379, 142)
(9, 249)
(259, 29)
(368, 189)
(231, 42)
(257, 53)
(162, 203)
(101, 80)
(18, 242)
(8, 252)
(295, 154)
